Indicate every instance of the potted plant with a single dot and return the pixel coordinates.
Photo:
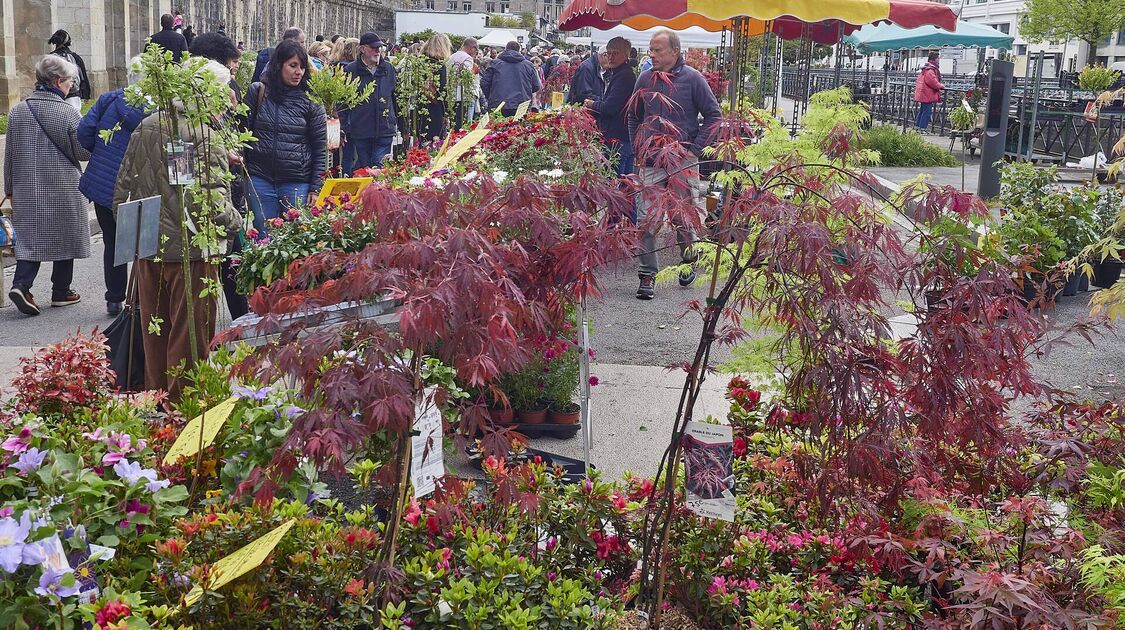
(525, 390)
(1106, 254)
(955, 242)
(334, 89)
(1024, 232)
(964, 121)
(560, 385)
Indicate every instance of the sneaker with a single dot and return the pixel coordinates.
(23, 301)
(70, 298)
(113, 308)
(647, 290)
(688, 276)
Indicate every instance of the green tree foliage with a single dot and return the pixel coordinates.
(1057, 20)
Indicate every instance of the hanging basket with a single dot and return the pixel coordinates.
(333, 128)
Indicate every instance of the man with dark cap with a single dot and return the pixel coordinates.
(369, 128)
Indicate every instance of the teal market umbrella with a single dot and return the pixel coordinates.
(883, 37)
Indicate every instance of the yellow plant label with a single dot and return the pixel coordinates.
(462, 147)
(205, 426)
(556, 100)
(241, 562)
(336, 186)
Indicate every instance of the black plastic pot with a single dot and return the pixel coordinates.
(1083, 282)
(1107, 273)
(1071, 286)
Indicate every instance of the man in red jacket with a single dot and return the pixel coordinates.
(927, 90)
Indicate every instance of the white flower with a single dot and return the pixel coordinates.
(500, 176)
(417, 180)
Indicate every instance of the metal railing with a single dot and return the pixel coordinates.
(1061, 133)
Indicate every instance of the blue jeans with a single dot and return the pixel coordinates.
(625, 153)
(363, 152)
(267, 199)
(925, 112)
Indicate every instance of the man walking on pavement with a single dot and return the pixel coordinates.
(168, 39)
(369, 128)
(669, 101)
(609, 108)
(510, 80)
(263, 61)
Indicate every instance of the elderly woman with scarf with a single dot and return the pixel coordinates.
(41, 171)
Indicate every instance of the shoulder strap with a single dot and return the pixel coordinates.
(259, 96)
(70, 158)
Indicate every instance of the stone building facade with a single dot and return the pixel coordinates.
(107, 33)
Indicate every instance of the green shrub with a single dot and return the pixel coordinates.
(3, 124)
(905, 149)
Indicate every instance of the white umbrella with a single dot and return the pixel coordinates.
(497, 39)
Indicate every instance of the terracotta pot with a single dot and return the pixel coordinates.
(504, 415)
(533, 416)
(563, 415)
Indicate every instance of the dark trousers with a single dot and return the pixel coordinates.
(62, 273)
(236, 304)
(115, 277)
(162, 290)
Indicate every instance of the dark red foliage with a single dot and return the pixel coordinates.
(480, 270)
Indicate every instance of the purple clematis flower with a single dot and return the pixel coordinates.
(29, 461)
(153, 486)
(249, 393)
(132, 473)
(14, 548)
(50, 583)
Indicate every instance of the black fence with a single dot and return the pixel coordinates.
(1061, 132)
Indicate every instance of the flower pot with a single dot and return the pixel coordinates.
(333, 129)
(1071, 286)
(1083, 282)
(1031, 288)
(504, 415)
(537, 415)
(1106, 273)
(564, 414)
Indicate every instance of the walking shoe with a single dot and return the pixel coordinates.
(70, 298)
(113, 308)
(647, 289)
(688, 276)
(23, 301)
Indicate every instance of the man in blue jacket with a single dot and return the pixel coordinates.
(587, 81)
(263, 61)
(609, 107)
(509, 80)
(369, 128)
(97, 182)
(669, 101)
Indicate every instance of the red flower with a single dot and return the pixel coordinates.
(594, 380)
(112, 612)
(172, 548)
(355, 587)
(413, 513)
(740, 447)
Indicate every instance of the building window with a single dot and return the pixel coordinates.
(505, 7)
(1121, 37)
(490, 6)
(1003, 28)
(430, 4)
(1021, 49)
(467, 6)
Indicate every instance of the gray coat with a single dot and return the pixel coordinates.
(51, 218)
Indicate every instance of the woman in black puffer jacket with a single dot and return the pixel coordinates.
(287, 162)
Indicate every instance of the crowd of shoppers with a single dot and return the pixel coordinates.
(48, 140)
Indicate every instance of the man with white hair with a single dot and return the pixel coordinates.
(670, 99)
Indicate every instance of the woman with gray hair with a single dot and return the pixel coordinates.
(41, 173)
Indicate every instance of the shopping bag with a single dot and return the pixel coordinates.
(125, 339)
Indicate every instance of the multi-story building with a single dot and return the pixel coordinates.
(1004, 15)
(545, 12)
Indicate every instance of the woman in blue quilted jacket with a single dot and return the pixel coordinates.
(97, 182)
(287, 163)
